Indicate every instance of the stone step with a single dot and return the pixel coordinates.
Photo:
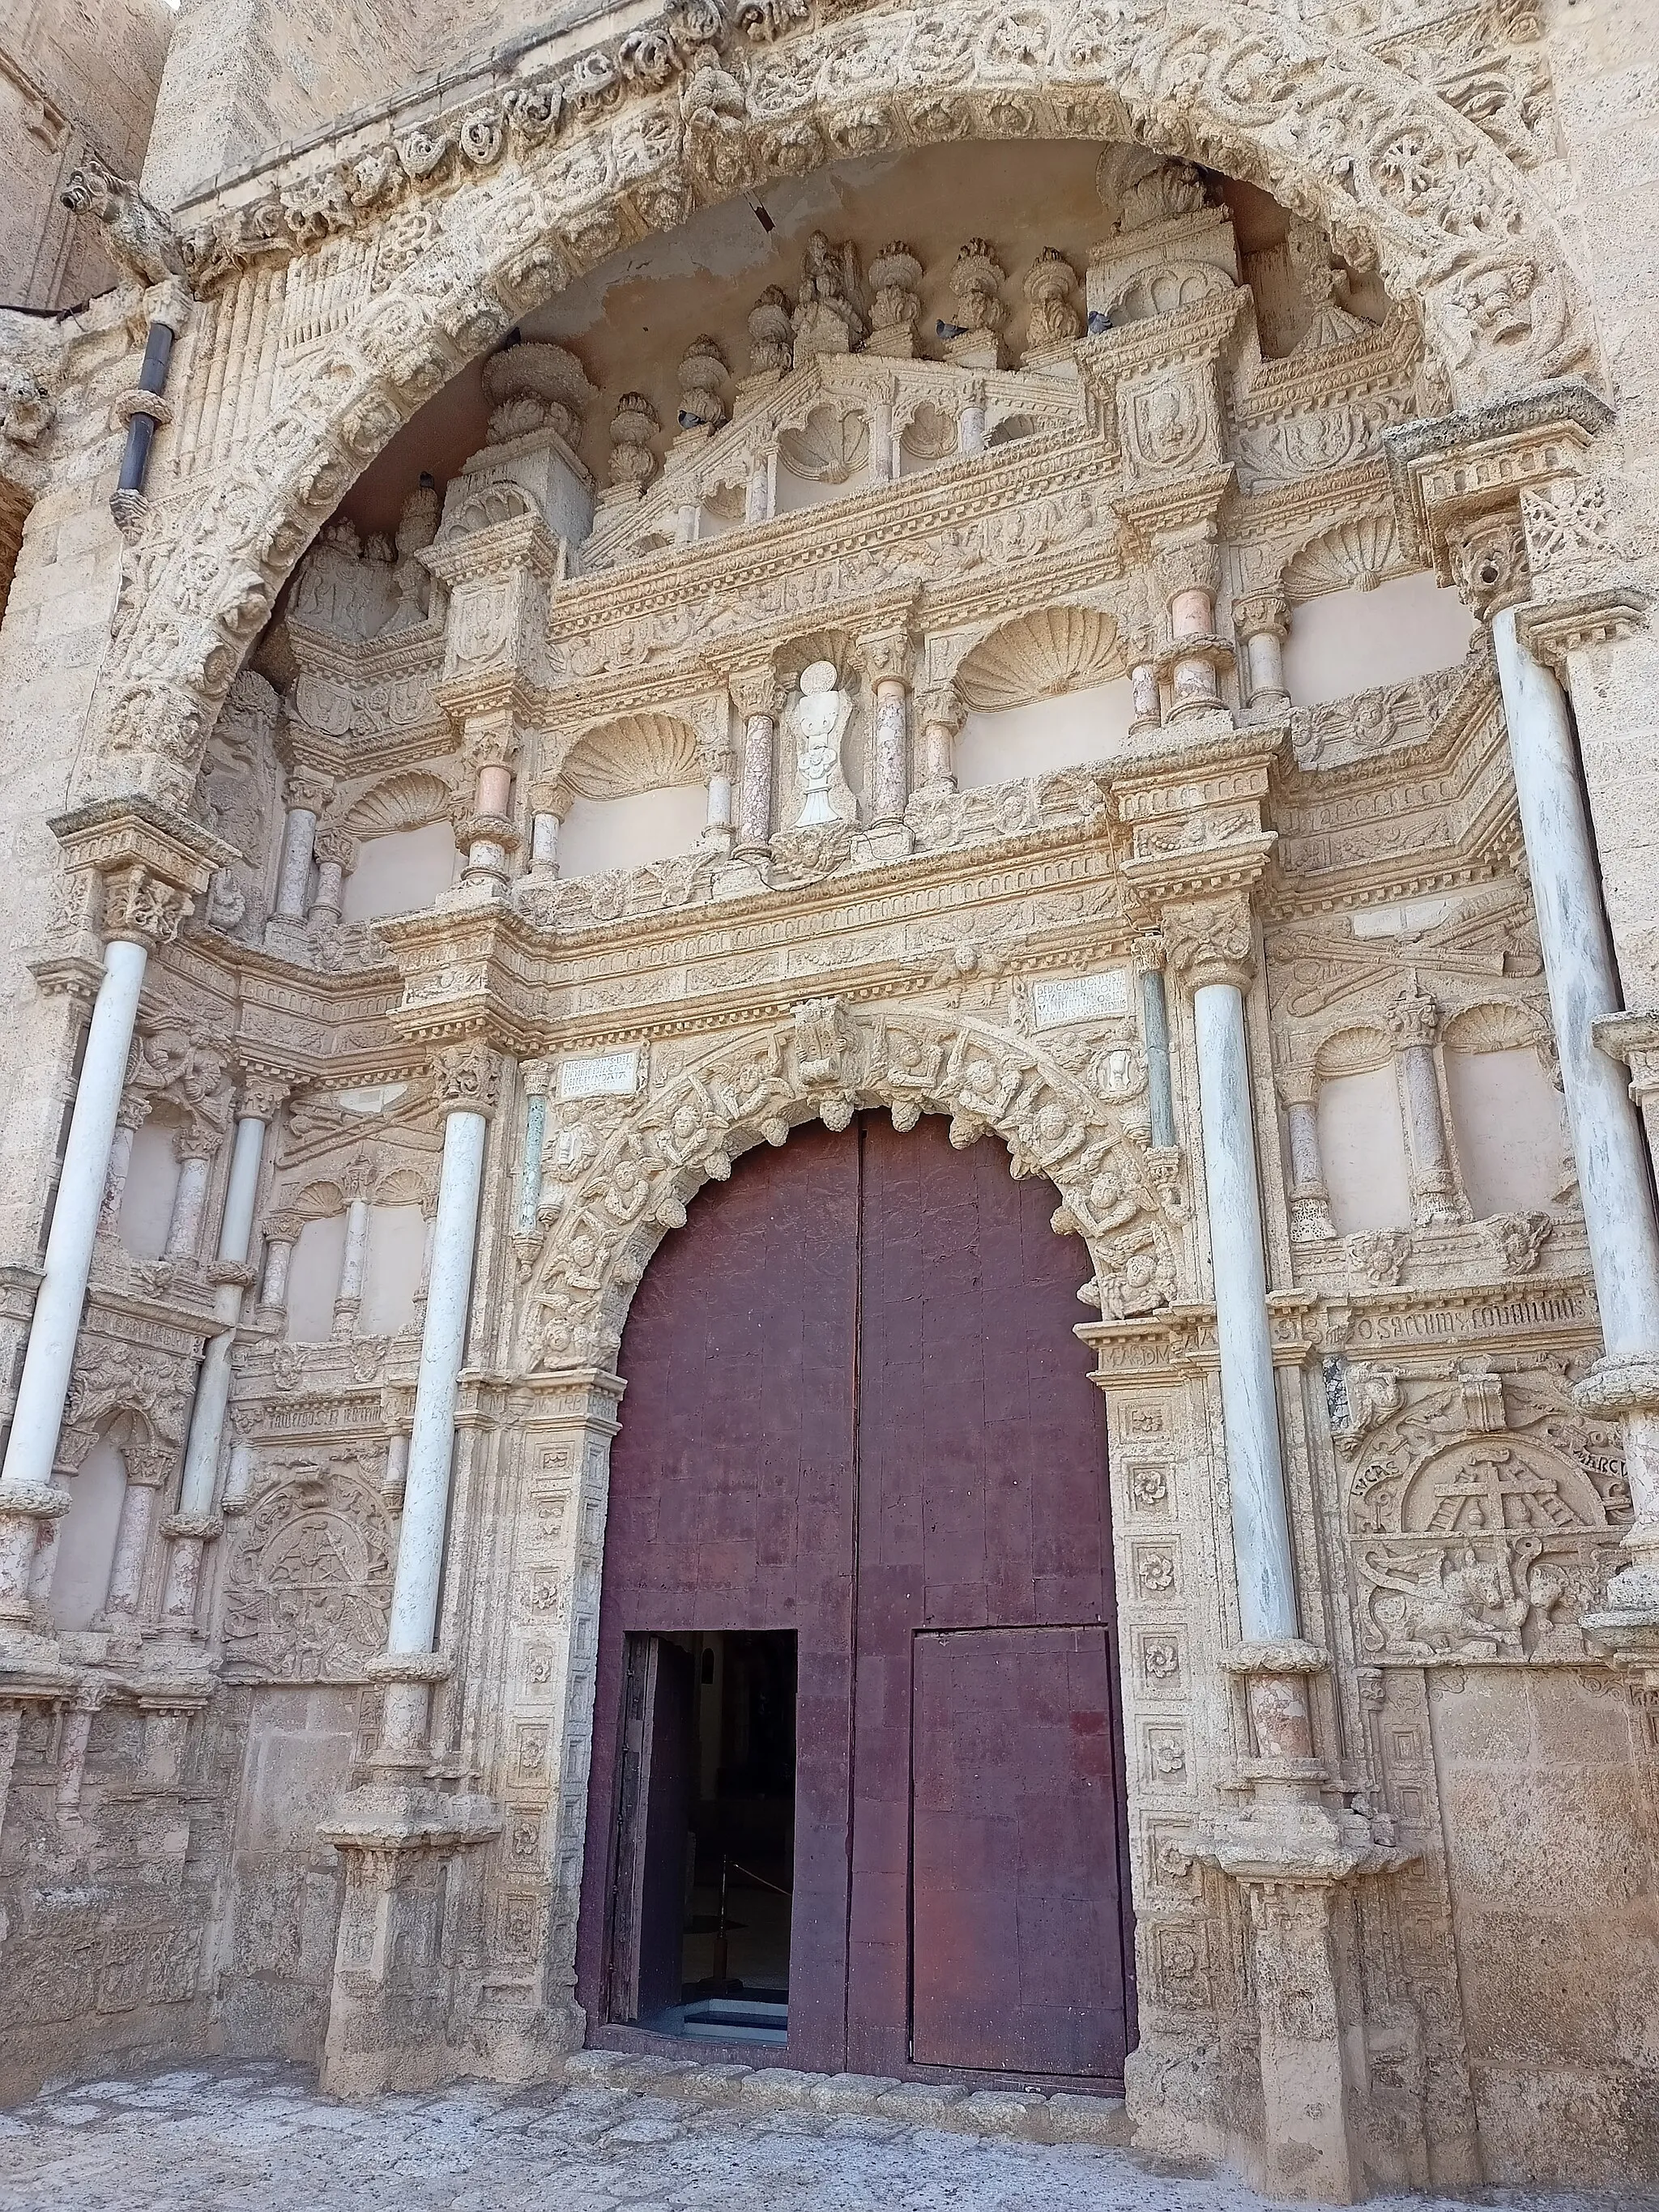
(1027, 2115)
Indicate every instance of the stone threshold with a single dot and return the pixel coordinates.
(1024, 2115)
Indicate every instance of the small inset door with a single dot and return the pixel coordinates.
(1016, 1915)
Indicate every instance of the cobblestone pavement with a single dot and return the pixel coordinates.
(258, 2138)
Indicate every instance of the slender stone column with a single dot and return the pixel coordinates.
(1213, 948)
(146, 1470)
(754, 696)
(307, 795)
(1190, 573)
(131, 1116)
(1144, 693)
(335, 853)
(971, 423)
(536, 1075)
(757, 492)
(1262, 620)
(1614, 1177)
(1155, 1023)
(467, 1082)
(550, 802)
(281, 1232)
(718, 765)
(1414, 1025)
(196, 1149)
(1308, 1198)
(491, 747)
(942, 717)
(141, 912)
(886, 660)
(194, 1525)
(348, 1298)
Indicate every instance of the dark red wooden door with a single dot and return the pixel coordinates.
(856, 1408)
(1016, 1932)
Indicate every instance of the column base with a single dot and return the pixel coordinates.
(409, 1928)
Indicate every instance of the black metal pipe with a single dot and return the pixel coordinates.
(140, 427)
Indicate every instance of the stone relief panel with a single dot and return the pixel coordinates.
(307, 1577)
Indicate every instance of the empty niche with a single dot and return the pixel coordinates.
(819, 460)
(1359, 622)
(391, 1269)
(1506, 1112)
(405, 850)
(638, 795)
(152, 1185)
(313, 1279)
(1362, 1137)
(399, 873)
(86, 1537)
(1044, 692)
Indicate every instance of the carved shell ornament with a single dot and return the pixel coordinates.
(1354, 557)
(641, 752)
(1039, 656)
(829, 447)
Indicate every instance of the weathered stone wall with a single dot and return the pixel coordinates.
(74, 79)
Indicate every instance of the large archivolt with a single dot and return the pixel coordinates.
(477, 224)
(618, 1173)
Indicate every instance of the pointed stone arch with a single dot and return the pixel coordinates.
(540, 182)
(620, 1172)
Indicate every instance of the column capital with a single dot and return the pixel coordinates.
(941, 708)
(337, 844)
(490, 740)
(307, 790)
(755, 691)
(550, 794)
(1414, 1017)
(283, 1227)
(263, 1093)
(467, 1076)
(1212, 941)
(1458, 483)
(1265, 613)
(884, 655)
(151, 864)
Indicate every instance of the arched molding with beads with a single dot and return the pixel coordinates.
(618, 1173)
(541, 183)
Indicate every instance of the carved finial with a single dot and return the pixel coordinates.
(632, 428)
(973, 340)
(1053, 321)
(535, 387)
(702, 374)
(771, 333)
(895, 306)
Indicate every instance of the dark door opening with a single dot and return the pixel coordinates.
(701, 1900)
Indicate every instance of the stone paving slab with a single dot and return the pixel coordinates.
(259, 2138)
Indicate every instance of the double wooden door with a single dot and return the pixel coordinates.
(856, 1410)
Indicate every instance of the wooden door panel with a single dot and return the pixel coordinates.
(1016, 1928)
(730, 1507)
(983, 1505)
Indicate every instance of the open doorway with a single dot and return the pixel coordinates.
(701, 1910)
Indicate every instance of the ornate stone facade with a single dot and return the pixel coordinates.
(1132, 724)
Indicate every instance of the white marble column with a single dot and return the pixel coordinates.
(307, 795)
(1308, 1200)
(55, 1322)
(1213, 950)
(942, 717)
(1414, 1025)
(467, 1078)
(970, 424)
(131, 1116)
(1262, 620)
(1155, 1027)
(196, 1150)
(192, 1525)
(281, 1234)
(335, 854)
(348, 1298)
(550, 802)
(1614, 1177)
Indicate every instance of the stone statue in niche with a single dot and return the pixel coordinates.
(895, 306)
(417, 525)
(819, 718)
(827, 317)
